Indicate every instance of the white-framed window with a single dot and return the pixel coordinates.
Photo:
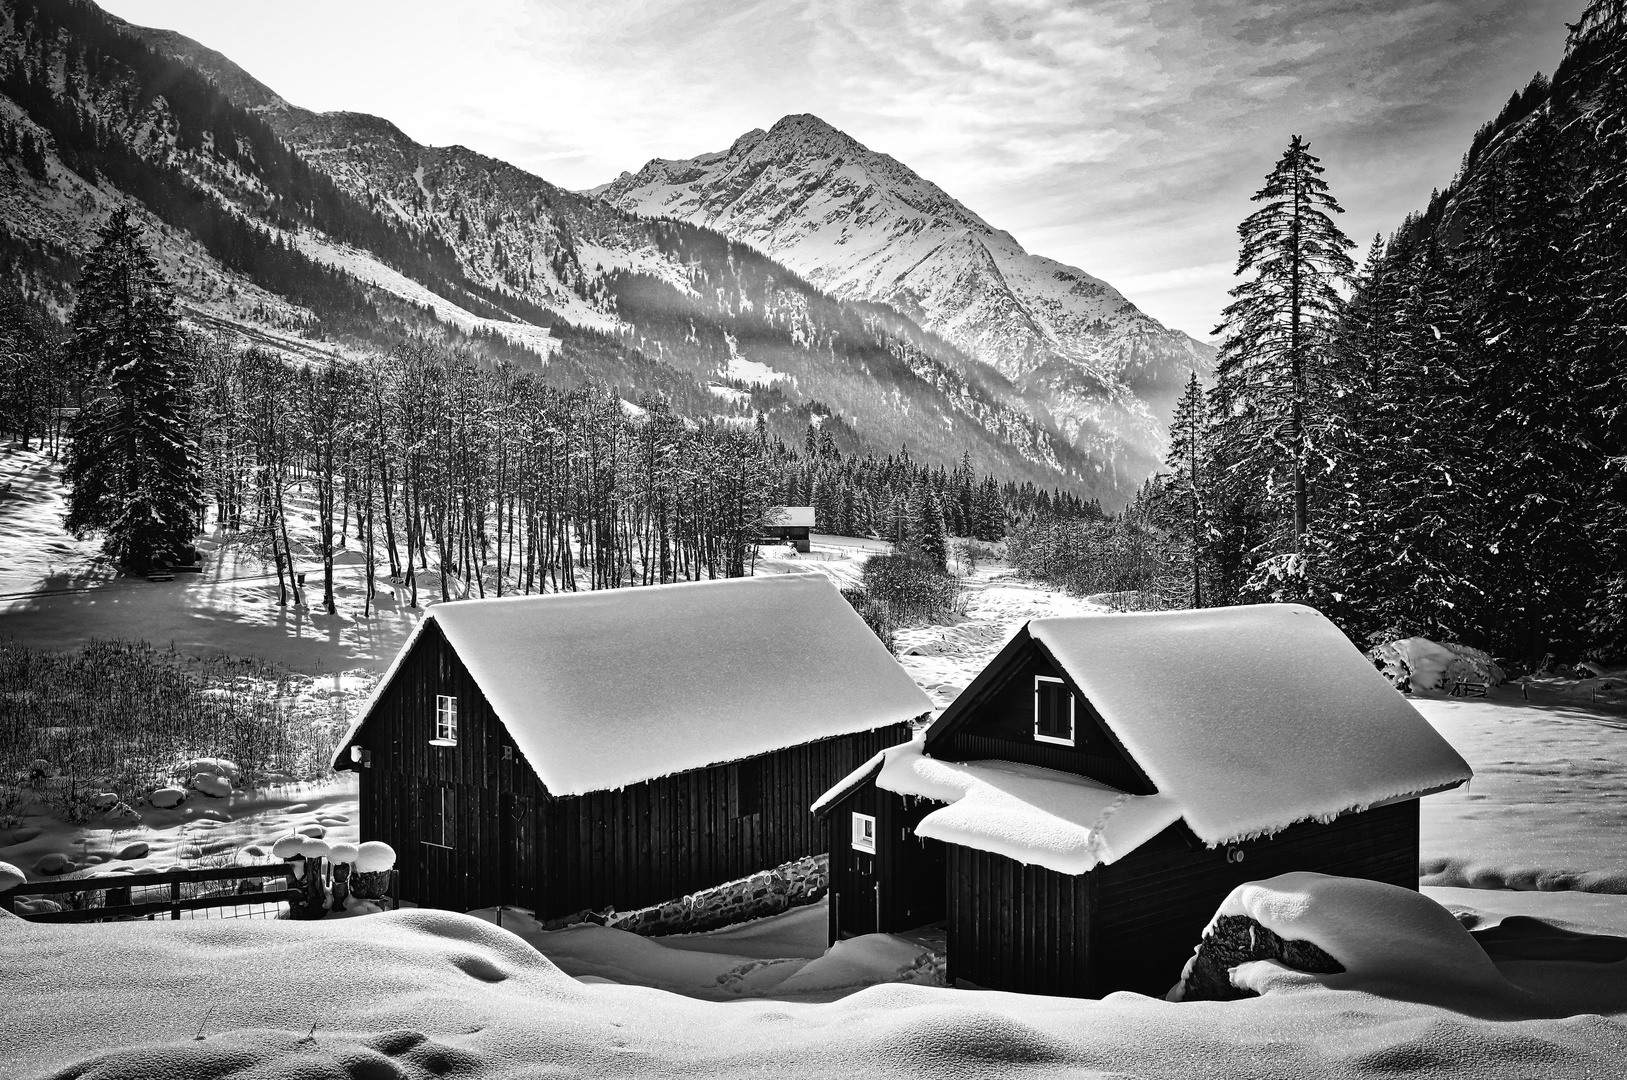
(446, 721)
(1053, 711)
(864, 833)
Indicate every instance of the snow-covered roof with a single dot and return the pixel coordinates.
(1034, 815)
(793, 517)
(605, 689)
(1250, 718)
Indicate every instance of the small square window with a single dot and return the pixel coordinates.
(446, 721)
(1053, 711)
(864, 833)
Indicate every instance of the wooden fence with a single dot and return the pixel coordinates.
(119, 890)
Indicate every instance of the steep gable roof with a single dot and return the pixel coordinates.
(600, 690)
(1248, 718)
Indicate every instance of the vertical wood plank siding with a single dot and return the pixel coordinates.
(1016, 927)
(901, 886)
(515, 843)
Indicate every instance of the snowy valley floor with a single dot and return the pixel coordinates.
(420, 993)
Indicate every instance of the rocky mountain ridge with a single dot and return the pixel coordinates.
(863, 226)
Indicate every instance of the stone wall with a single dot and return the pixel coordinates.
(767, 893)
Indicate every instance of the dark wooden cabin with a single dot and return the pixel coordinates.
(1076, 816)
(621, 748)
(790, 525)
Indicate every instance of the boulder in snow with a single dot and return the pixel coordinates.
(316, 831)
(137, 850)
(167, 798)
(54, 863)
(212, 784)
(107, 800)
(1389, 940)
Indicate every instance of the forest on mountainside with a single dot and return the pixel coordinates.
(1444, 453)
(127, 118)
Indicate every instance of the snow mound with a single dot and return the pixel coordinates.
(374, 856)
(287, 847)
(214, 765)
(1392, 941)
(344, 853)
(212, 784)
(1423, 664)
(167, 798)
(10, 877)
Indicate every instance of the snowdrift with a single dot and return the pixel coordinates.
(417, 993)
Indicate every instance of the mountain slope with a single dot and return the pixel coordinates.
(861, 225)
(294, 227)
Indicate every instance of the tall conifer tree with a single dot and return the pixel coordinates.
(1267, 403)
(133, 469)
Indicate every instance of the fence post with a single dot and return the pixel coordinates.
(175, 899)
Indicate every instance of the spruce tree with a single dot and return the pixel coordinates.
(1268, 401)
(133, 469)
(1184, 503)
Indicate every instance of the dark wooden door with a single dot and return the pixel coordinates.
(863, 902)
(520, 885)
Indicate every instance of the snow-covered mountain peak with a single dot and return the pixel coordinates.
(862, 225)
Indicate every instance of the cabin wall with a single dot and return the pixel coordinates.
(1152, 905)
(1001, 726)
(514, 843)
(671, 836)
(486, 788)
(901, 886)
(1017, 927)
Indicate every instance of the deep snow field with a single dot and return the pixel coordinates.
(422, 993)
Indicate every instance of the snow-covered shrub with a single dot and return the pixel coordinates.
(1421, 664)
(909, 588)
(1086, 556)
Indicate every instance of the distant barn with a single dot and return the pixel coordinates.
(790, 525)
(1081, 809)
(619, 748)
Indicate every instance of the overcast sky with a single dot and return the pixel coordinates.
(1123, 138)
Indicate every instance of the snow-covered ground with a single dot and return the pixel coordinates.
(417, 992)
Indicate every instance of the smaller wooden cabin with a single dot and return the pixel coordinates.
(619, 748)
(790, 525)
(1079, 812)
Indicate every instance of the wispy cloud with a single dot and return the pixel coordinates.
(1125, 137)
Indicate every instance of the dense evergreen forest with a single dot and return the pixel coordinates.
(1444, 452)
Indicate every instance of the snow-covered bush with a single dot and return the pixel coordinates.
(1421, 664)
